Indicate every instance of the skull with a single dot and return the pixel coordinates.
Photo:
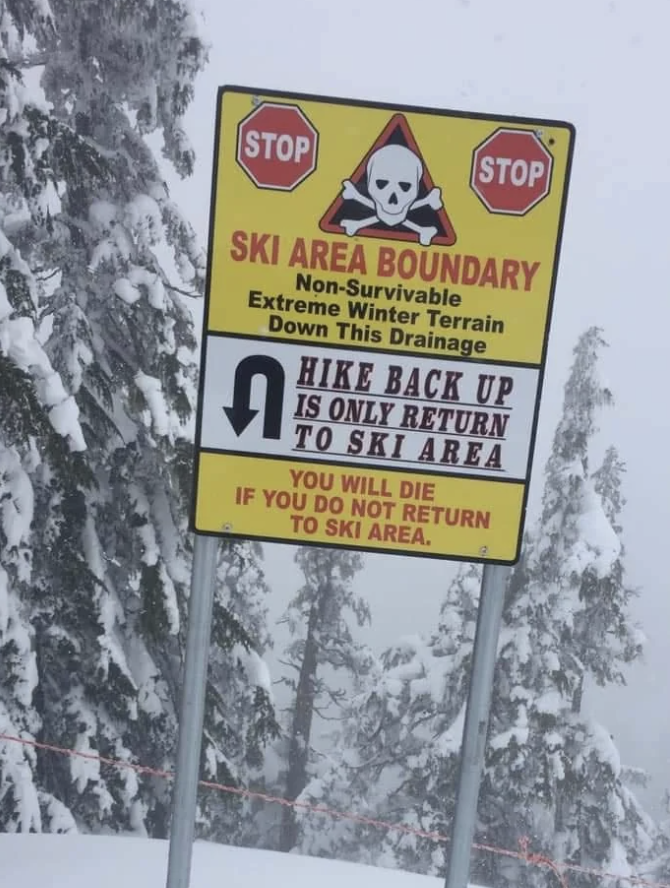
(394, 175)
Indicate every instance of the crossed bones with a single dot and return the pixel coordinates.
(426, 233)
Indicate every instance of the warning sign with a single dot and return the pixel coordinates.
(337, 404)
(277, 146)
(371, 510)
(379, 291)
(511, 171)
(391, 194)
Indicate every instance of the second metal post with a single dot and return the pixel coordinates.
(192, 714)
(477, 711)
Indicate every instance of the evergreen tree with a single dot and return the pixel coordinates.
(122, 338)
(552, 773)
(40, 432)
(322, 641)
(239, 716)
(398, 747)
(657, 866)
(97, 263)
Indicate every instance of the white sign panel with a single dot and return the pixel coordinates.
(353, 408)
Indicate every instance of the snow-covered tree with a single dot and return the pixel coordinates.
(552, 773)
(322, 641)
(40, 431)
(239, 716)
(657, 867)
(122, 338)
(397, 751)
(98, 364)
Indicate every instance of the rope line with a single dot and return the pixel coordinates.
(524, 853)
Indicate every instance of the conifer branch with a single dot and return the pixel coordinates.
(176, 289)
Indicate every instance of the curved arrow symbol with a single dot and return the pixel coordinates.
(241, 414)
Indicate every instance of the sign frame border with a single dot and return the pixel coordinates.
(295, 97)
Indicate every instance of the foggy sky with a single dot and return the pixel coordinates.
(600, 65)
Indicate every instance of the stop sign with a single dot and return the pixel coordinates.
(511, 171)
(277, 146)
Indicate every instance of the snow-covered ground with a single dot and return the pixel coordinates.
(72, 861)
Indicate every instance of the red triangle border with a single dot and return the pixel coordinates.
(325, 223)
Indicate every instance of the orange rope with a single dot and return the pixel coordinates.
(524, 854)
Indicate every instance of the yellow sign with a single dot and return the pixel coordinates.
(388, 511)
(380, 288)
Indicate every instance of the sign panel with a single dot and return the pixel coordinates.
(380, 287)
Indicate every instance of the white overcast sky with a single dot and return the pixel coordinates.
(604, 66)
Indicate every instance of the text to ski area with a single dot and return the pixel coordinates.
(426, 415)
(397, 510)
(382, 295)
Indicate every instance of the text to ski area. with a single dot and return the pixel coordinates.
(358, 508)
(384, 296)
(296, 401)
(397, 510)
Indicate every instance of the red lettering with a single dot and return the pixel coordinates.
(348, 530)
(386, 262)
(367, 508)
(417, 490)
(239, 251)
(510, 272)
(319, 254)
(467, 518)
(255, 247)
(332, 504)
(398, 533)
(319, 257)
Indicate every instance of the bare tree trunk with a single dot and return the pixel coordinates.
(301, 729)
(577, 696)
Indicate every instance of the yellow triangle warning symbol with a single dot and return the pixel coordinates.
(391, 194)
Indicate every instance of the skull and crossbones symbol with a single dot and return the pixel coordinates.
(393, 178)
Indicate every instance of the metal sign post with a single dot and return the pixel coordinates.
(374, 342)
(477, 711)
(192, 714)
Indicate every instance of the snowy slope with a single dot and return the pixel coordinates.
(71, 861)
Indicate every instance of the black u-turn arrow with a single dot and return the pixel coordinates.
(241, 414)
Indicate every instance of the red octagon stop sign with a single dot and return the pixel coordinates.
(511, 171)
(277, 146)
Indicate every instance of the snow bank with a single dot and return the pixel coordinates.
(72, 861)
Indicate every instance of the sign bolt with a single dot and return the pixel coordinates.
(484, 550)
